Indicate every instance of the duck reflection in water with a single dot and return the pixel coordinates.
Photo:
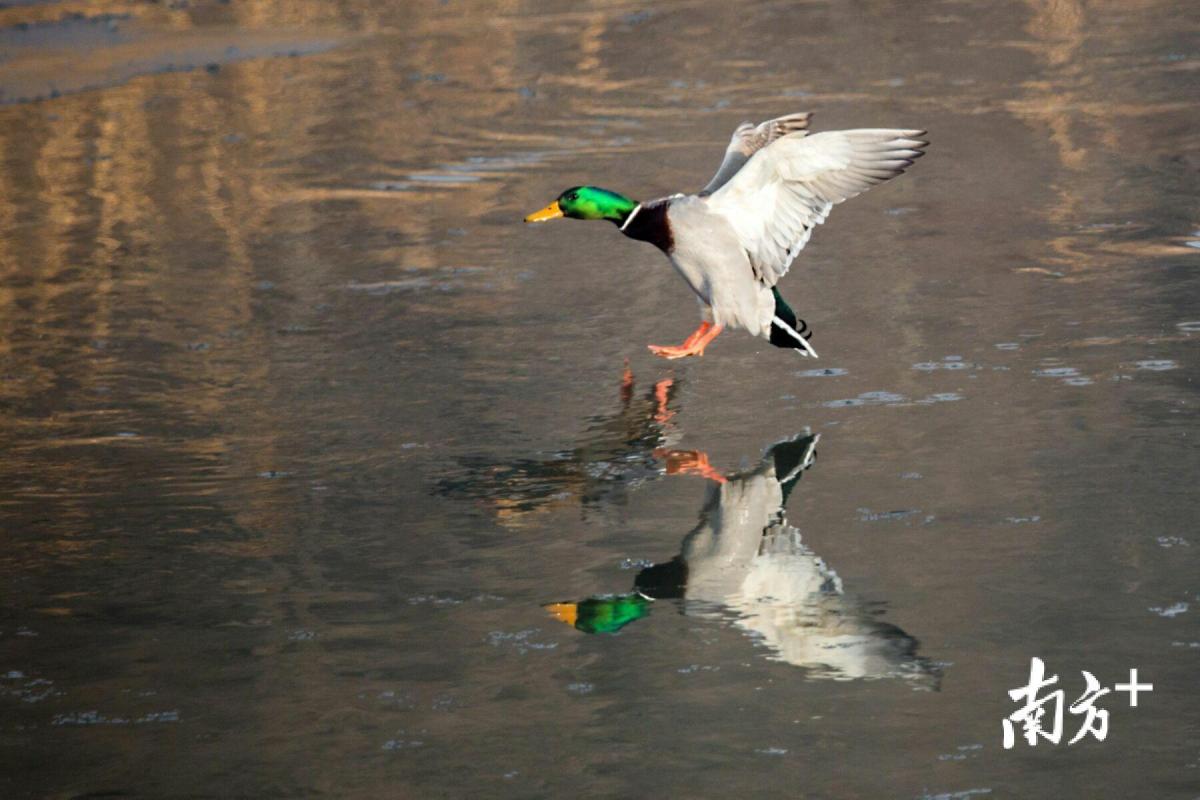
(746, 563)
(616, 453)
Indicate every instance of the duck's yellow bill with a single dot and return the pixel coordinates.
(552, 211)
(564, 612)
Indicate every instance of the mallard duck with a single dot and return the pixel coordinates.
(734, 239)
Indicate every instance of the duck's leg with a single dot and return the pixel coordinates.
(696, 334)
(693, 345)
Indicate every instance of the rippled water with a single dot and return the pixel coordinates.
(324, 476)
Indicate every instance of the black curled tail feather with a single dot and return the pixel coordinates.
(786, 329)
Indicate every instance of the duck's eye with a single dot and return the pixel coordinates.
(572, 196)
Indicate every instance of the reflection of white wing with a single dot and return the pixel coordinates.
(744, 558)
(794, 603)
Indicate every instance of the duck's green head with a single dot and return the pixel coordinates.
(586, 202)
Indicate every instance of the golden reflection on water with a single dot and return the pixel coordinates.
(1086, 117)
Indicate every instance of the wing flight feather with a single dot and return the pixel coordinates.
(786, 189)
(748, 139)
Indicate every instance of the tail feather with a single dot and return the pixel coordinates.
(787, 330)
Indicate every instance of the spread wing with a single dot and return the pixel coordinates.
(788, 188)
(748, 139)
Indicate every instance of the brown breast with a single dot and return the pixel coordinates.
(650, 224)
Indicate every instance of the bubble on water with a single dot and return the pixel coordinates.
(867, 515)
(1172, 541)
(444, 702)
(86, 718)
(940, 397)
(691, 669)
(520, 641)
(1170, 611)
(1157, 365)
(402, 744)
(1056, 372)
(947, 362)
(772, 751)
(433, 600)
(582, 687)
(828, 372)
(1008, 346)
(1189, 327)
(1078, 381)
(27, 690)
(868, 399)
(962, 795)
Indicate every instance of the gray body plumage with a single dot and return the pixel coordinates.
(710, 258)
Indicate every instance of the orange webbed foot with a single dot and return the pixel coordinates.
(692, 346)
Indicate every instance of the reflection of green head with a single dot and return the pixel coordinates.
(602, 614)
(592, 202)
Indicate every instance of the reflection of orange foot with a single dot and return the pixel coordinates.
(689, 462)
(662, 391)
(692, 346)
(627, 384)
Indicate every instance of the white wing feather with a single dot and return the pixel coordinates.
(788, 187)
(748, 139)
